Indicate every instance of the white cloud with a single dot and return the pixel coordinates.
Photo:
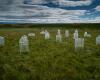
(42, 14)
(97, 8)
(63, 20)
(74, 3)
(39, 1)
(43, 11)
(64, 2)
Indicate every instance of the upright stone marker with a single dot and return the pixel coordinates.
(24, 44)
(98, 40)
(75, 35)
(47, 35)
(66, 33)
(79, 43)
(58, 36)
(59, 32)
(76, 31)
(2, 41)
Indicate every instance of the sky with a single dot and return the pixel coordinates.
(49, 11)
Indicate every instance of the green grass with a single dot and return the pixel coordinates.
(47, 59)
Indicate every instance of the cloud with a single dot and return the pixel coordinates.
(36, 12)
(74, 3)
(44, 11)
(63, 20)
(97, 8)
(64, 2)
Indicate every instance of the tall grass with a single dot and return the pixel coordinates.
(47, 59)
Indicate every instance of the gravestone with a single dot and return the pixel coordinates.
(59, 36)
(86, 34)
(47, 35)
(24, 44)
(59, 32)
(76, 31)
(2, 41)
(79, 43)
(98, 40)
(66, 33)
(42, 32)
(31, 34)
(75, 35)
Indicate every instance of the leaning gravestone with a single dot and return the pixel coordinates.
(24, 44)
(2, 41)
(79, 43)
(66, 33)
(98, 40)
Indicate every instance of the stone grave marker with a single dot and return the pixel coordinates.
(42, 32)
(2, 41)
(31, 34)
(24, 44)
(47, 35)
(76, 31)
(66, 33)
(79, 43)
(59, 36)
(86, 34)
(98, 40)
(75, 35)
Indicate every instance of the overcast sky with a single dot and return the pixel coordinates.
(50, 11)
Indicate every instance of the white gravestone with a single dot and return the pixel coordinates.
(42, 32)
(58, 36)
(47, 35)
(98, 40)
(31, 34)
(75, 35)
(66, 33)
(76, 31)
(79, 43)
(86, 34)
(24, 44)
(2, 41)
(59, 32)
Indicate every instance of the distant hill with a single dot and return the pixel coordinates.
(96, 25)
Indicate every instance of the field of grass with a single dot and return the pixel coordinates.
(48, 59)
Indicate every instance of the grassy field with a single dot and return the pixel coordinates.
(47, 59)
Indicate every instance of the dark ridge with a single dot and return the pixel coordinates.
(74, 25)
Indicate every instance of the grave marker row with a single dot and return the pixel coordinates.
(78, 42)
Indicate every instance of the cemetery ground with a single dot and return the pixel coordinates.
(48, 59)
